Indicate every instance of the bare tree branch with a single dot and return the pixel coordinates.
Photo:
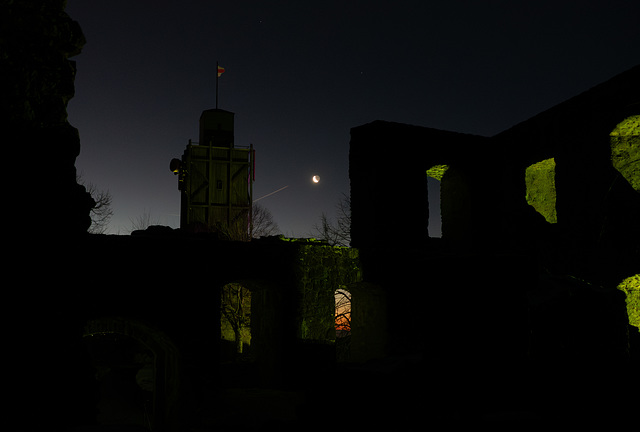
(143, 221)
(343, 311)
(102, 212)
(263, 223)
(336, 233)
(235, 308)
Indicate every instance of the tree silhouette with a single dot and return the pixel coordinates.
(336, 232)
(235, 313)
(262, 222)
(102, 212)
(143, 221)
(343, 312)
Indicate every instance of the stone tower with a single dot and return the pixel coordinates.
(216, 180)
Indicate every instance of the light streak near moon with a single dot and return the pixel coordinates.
(270, 193)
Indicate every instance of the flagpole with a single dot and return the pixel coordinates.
(217, 75)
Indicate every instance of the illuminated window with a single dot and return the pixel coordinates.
(343, 313)
(235, 315)
(343, 324)
(540, 180)
(434, 177)
(625, 150)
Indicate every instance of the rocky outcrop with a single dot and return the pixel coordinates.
(39, 144)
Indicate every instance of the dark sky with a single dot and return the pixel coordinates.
(299, 74)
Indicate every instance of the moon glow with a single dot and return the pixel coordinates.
(315, 179)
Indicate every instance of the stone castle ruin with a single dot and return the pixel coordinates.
(524, 308)
(540, 225)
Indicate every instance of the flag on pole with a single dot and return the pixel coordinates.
(220, 71)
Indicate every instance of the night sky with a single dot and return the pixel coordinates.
(300, 74)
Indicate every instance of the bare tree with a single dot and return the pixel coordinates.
(235, 313)
(343, 324)
(143, 221)
(238, 229)
(336, 232)
(262, 222)
(343, 312)
(102, 212)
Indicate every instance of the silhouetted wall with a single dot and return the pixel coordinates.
(597, 209)
(170, 284)
(505, 304)
(483, 191)
(387, 169)
(505, 299)
(36, 83)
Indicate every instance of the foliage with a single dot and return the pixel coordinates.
(541, 188)
(437, 171)
(631, 287)
(625, 150)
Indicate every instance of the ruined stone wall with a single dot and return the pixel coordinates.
(171, 283)
(625, 150)
(522, 286)
(321, 271)
(596, 208)
(369, 322)
(388, 165)
(36, 83)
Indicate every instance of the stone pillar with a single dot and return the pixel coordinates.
(369, 324)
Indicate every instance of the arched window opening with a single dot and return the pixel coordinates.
(343, 324)
(434, 177)
(343, 313)
(625, 150)
(540, 180)
(137, 370)
(631, 287)
(125, 376)
(235, 316)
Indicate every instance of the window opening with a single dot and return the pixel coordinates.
(625, 150)
(343, 313)
(343, 324)
(235, 316)
(540, 180)
(434, 177)
(125, 373)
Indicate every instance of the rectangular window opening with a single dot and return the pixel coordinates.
(434, 177)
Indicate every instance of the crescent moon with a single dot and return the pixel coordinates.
(315, 178)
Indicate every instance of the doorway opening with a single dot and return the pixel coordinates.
(137, 371)
(125, 372)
